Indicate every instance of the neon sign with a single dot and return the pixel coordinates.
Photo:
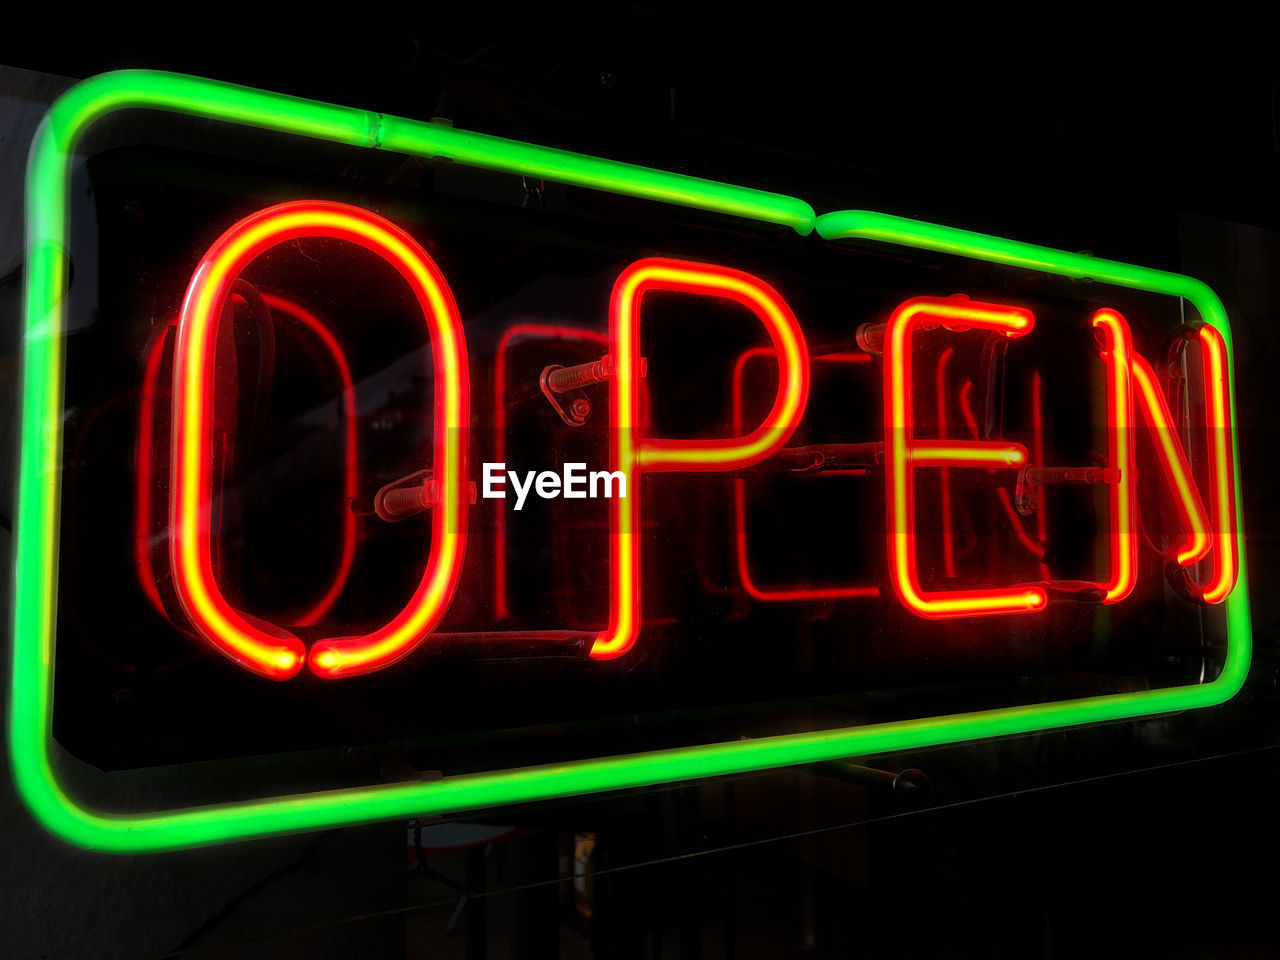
(913, 455)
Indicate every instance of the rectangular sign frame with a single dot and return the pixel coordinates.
(36, 531)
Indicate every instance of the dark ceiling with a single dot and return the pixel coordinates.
(1042, 136)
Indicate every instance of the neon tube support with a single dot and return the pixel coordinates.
(550, 331)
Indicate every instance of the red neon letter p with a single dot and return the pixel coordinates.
(633, 455)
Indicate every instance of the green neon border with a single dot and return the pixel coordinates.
(36, 523)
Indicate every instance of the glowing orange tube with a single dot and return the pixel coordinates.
(904, 453)
(1117, 354)
(548, 331)
(350, 452)
(948, 534)
(1221, 472)
(262, 647)
(753, 589)
(1173, 461)
(633, 455)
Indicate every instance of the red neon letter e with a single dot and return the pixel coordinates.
(904, 453)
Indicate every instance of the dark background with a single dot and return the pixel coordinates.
(1150, 838)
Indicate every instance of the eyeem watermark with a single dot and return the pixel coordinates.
(573, 483)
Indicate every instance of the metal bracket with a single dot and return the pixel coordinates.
(562, 386)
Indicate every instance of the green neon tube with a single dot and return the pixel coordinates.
(494, 153)
(40, 432)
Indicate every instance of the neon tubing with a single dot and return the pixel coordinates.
(1228, 560)
(756, 591)
(39, 485)
(36, 534)
(1230, 570)
(1173, 462)
(261, 647)
(632, 454)
(1117, 355)
(904, 453)
(944, 475)
(699, 279)
(547, 331)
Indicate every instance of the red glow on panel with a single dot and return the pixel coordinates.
(1117, 353)
(144, 527)
(1033, 546)
(519, 331)
(755, 590)
(153, 417)
(904, 454)
(262, 647)
(350, 452)
(1037, 443)
(632, 454)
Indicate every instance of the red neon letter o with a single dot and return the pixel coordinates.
(261, 647)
